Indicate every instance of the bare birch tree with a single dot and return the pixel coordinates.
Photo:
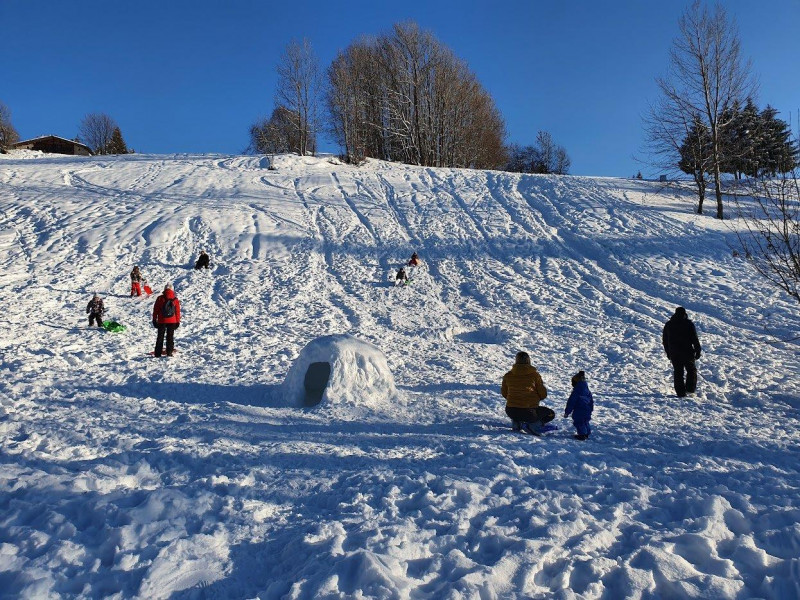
(298, 92)
(96, 131)
(707, 75)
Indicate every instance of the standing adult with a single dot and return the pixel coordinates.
(523, 390)
(166, 318)
(682, 348)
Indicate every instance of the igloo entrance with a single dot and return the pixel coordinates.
(317, 377)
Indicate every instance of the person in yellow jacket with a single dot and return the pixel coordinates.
(523, 390)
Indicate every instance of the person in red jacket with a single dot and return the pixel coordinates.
(136, 282)
(166, 318)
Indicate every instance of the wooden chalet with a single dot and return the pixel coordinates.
(54, 145)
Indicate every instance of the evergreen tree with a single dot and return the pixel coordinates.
(117, 144)
(739, 138)
(774, 152)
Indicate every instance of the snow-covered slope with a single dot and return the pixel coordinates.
(191, 477)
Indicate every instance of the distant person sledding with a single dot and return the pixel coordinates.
(402, 277)
(95, 310)
(203, 262)
(139, 283)
(414, 260)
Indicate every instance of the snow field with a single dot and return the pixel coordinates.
(128, 476)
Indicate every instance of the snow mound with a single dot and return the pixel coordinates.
(340, 370)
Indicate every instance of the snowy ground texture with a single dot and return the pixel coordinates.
(127, 476)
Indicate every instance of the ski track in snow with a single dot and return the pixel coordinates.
(126, 476)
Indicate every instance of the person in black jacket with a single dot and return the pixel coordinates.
(203, 261)
(682, 348)
(95, 310)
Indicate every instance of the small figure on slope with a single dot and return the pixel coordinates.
(682, 348)
(136, 282)
(402, 277)
(414, 260)
(95, 310)
(580, 405)
(166, 318)
(523, 390)
(202, 262)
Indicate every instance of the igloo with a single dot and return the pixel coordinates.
(339, 370)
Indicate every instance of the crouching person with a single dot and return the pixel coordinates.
(523, 390)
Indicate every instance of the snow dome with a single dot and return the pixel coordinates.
(339, 369)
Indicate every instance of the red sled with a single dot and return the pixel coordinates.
(148, 290)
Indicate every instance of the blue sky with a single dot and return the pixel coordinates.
(192, 76)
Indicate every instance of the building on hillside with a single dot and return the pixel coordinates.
(54, 145)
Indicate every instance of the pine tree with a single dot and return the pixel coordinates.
(775, 153)
(117, 144)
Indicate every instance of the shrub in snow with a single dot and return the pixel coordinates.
(339, 370)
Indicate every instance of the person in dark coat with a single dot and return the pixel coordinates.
(166, 318)
(203, 261)
(95, 310)
(401, 277)
(580, 405)
(523, 390)
(682, 348)
(414, 260)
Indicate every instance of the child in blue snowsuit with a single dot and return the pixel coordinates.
(580, 405)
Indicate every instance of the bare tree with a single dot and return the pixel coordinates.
(563, 162)
(352, 98)
(97, 131)
(298, 92)
(771, 241)
(544, 157)
(707, 75)
(275, 135)
(404, 96)
(8, 135)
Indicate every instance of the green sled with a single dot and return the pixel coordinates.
(113, 326)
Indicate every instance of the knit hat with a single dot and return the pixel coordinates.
(523, 358)
(168, 287)
(680, 312)
(579, 376)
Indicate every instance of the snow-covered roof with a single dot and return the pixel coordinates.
(50, 136)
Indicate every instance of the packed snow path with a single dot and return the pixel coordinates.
(128, 476)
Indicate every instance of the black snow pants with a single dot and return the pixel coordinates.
(169, 329)
(530, 415)
(687, 386)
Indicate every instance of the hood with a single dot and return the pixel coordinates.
(581, 386)
(169, 294)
